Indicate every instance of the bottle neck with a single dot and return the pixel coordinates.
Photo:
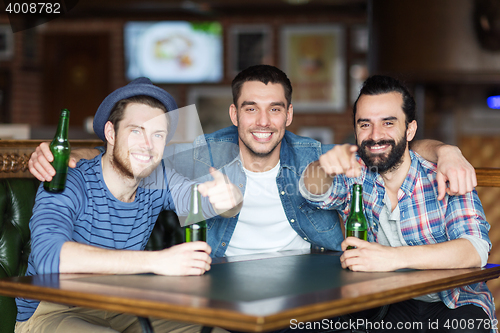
(195, 210)
(195, 200)
(62, 127)
(357, 199)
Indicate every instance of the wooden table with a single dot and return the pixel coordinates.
(256, 293)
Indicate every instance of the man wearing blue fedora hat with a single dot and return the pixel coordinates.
(266, 162)
(106, 213)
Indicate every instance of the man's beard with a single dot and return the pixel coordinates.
(384, 162)
(122, 165)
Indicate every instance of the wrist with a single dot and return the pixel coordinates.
(149, 261)
(315, 180)
(445, 149)
(402, 259)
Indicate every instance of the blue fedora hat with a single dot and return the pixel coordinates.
(139, 86)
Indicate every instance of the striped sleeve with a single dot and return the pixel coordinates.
(52, 224)
(465, 216)
(179, 195)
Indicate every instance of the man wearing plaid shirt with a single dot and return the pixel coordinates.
(410, 225)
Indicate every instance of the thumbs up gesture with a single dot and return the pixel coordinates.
(224, 196)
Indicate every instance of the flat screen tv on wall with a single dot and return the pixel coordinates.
(174, 51)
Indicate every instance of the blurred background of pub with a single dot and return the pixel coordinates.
(446, 51)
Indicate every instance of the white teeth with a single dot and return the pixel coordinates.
(142, 157)
(262, 135)
(377, 147)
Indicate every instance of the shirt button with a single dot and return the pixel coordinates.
(223, 244)
(317, 208)
(282, 192)
(292, 220)
(241, 185)
(305, 238)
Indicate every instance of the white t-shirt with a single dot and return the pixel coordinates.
(262, 224)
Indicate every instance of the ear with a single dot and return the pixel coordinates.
(233, 113)
(289, 115)
(109, 133)
(412, 129)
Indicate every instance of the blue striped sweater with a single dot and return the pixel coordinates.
(86, 212)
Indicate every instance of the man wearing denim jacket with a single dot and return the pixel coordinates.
(266, 162)
(319, 227)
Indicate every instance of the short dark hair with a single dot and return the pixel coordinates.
(116, 114)
(381, 84)
(264, 74)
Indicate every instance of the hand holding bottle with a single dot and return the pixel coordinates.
(39, 163)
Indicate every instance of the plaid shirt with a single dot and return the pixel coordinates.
(423, 219)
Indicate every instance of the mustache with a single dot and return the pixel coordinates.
(371, 143)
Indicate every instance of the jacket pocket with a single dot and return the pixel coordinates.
(320, 219)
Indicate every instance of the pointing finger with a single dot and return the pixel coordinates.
(218, 176)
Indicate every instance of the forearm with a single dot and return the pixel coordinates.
(82, 258)
(433, 150)
(458, 253)
(316, 180)
(429, 149)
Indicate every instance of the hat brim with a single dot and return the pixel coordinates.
(135, 89)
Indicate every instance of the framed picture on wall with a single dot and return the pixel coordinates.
(250, 45)
(313, 58)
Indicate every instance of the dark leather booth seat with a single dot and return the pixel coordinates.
(17, 197)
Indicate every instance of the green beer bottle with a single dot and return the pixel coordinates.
(356, 225)
(196, 229)
(60, 149)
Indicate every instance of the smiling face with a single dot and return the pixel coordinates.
(261, 116)
(381, 131)
(137, 145)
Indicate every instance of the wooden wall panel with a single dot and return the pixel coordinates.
(483, 152)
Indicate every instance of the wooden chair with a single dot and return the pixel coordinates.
(488, 177)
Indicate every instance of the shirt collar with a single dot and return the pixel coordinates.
(411, 178)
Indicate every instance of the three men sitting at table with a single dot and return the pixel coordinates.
(259, 153)
(410, 225)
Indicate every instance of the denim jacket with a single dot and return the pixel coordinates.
(220, 149)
